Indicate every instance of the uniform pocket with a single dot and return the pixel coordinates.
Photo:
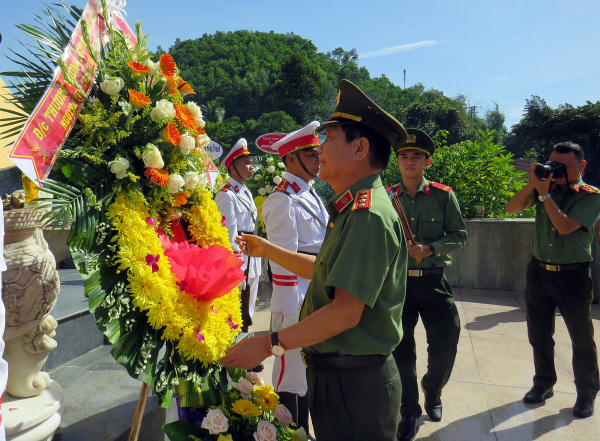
(431, 229)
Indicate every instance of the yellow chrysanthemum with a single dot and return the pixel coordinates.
(266, 398)
(246, 408)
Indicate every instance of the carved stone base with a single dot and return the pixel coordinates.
(35, 418)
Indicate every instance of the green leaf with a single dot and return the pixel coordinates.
(180, 430)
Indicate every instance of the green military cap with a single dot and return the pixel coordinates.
(417, 140)
(353, 106)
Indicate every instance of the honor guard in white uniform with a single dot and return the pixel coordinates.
(295, 219)
(237, 205)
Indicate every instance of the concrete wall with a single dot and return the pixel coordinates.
(496, 256)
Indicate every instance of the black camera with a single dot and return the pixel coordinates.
(556, 169)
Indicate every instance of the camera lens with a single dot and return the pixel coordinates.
(542, 171)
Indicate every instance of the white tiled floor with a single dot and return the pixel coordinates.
(493, 370)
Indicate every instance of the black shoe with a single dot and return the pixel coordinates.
(259, 368)
(408, 428)
(595, 301)
(433, 405)
(584, 407)
(538, 394)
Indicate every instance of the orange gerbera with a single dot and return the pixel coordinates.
(185, 117)
(138, 69)
(171, 134)
(157, 176)
(166, 65)
(181, 198)
(184, 87)
(171, 86)
(138, 99)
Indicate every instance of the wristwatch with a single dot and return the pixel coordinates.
(544, 197)
(276, 349)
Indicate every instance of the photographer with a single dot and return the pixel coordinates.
(559, 274)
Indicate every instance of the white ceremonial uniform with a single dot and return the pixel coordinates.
(293, 227)
(3, 363)
(236, 204)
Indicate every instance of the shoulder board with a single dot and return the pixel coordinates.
(295, 186)
(440, 186)
(226, 187)
(283, 185)
(589, 188)
(344, 200)
(363, 200)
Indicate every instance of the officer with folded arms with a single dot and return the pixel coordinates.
(559, 274)
(433, 217)
(351, 317)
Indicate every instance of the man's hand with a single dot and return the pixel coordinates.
(251, 245)
(541, 186)
(248, 353)
(420, 251)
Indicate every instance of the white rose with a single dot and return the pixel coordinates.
(164, 110)
(265, 431)
(173, 213)
(269, 188)
(269, 160)
(119, 167)
(186, 143)
(257, 177)
(175, 183)
(283, 415)
(262, 191)
(201, 123)
(255, 378)
(112, 87)
(215, 422)
(244, 386)
(195, 111)
(277, 180)
(202, 180)
(280, 165)
(191, 179)
(271, 169)
(153, 67)
(202, 140)
(152, 157)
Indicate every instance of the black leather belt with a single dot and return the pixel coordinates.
(245, 232)
(424, 272)
(306, 252)
(569, 267)
(336, 361)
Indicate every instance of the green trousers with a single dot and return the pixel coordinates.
(431, 298)
(355, 404)
(571, 292)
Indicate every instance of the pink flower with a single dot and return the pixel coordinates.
(231, 324)
(153, 262)
(223, 221)
(244, 386)
(255, 378)
(283, 415)
(208, 273)
(151, 222)
(215, 422)
(200, 335)
(212, 309)
(265, 431)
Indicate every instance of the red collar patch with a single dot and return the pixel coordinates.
(427, 190)
(296, 187)
(283, 185)
(576, 188)
(237, 189)
(226, 187)
(344, 200)
(363, 200)
(441, 186)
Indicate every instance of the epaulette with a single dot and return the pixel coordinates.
(393, 190)
(295, 186)
(344, 200)
(589, 188)
(363, 200)
(441, 186)
(226, 187)
(283, 185)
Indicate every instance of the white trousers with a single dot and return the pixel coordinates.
(253, 281)
(289, 373)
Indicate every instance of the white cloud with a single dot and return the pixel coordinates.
(401, 48)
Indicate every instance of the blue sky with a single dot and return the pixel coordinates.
(500, 51)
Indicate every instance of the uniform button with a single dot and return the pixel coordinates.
(412, 202)
(439, 255)
(412, 218)
(331, 225)
(550, 244)
(553, 229)
(548, 260)
(432, 219)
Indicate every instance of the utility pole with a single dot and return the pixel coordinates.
(405, 78)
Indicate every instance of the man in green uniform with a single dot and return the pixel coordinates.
(434, 218)
(559, 274)
(350, 320)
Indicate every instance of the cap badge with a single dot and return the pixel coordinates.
(411, 139)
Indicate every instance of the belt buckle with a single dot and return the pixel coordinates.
(552, 267)
(415, 273)
(303, 357)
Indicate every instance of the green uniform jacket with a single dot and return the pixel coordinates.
(579, 201)
(434, 218)
(364, 252)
